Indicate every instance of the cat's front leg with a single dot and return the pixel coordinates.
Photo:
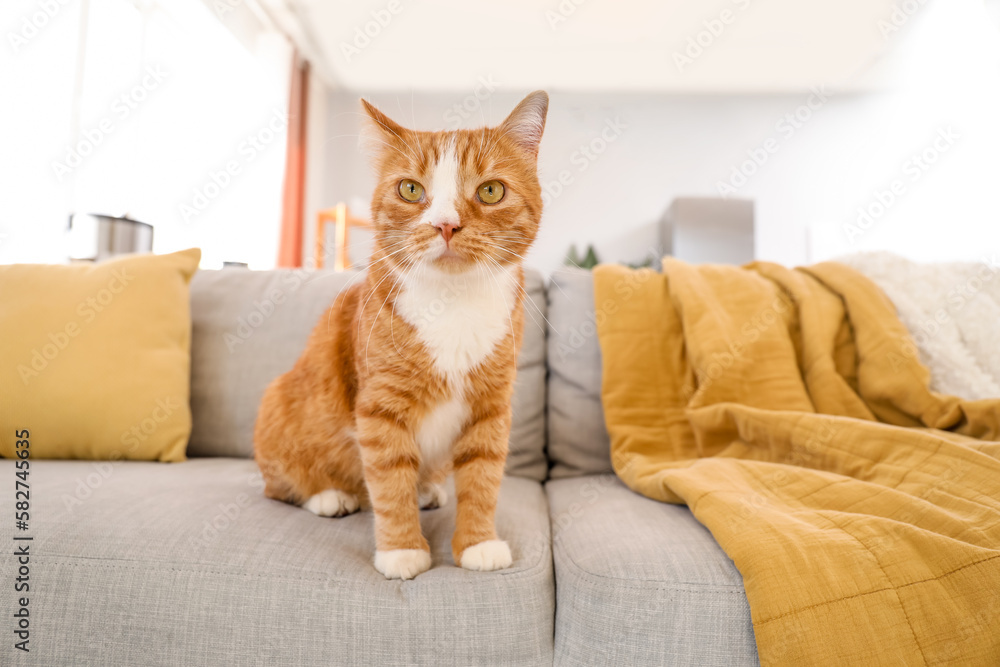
(479, 456)
(391, 462)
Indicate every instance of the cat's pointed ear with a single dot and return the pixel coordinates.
(527, 121)
(378, 130)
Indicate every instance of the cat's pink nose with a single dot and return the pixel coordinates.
(447, 229)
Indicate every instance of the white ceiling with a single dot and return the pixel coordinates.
(594, 45)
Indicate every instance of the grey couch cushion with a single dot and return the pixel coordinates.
(578, 440)
(251, 326)
(640, 582)
(188, 564)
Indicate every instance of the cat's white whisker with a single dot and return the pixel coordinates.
(530, 302)
(400, 283)
(375, 288)
(385, 143)
(375, 320)
(354, 277)
(496, 141)
(508, 250)
(510, 321)
(482, 142)
(401, 139)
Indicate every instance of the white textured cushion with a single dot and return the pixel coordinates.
(952, 310)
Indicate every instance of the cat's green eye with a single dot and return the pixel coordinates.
(491, 192)
(411, 191)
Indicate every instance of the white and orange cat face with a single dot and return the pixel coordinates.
(454, 199)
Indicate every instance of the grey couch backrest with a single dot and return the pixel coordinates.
(578, 442)
(251, 326)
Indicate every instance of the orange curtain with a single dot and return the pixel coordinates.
(293, 197)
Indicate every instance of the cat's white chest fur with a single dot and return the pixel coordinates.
(460, 320)
(439, 429)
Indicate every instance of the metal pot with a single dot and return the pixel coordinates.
(98, 237)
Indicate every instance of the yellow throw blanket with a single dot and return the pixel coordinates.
(789, 410)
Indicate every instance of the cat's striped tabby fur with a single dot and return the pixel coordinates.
(408, 376)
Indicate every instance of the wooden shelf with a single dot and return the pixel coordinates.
(343, 221)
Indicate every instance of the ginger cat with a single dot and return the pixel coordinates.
(408, 376)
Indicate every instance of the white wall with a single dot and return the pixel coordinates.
(844, 153)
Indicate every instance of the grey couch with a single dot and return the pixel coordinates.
(188, 564)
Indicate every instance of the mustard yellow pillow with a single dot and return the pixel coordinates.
(95, 360)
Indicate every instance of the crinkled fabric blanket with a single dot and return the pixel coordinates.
(790, 410)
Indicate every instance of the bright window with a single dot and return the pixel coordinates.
(180, 125)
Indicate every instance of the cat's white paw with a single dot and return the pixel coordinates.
(487, 556)
(433, 496)
(402, 563)
(332, 503)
